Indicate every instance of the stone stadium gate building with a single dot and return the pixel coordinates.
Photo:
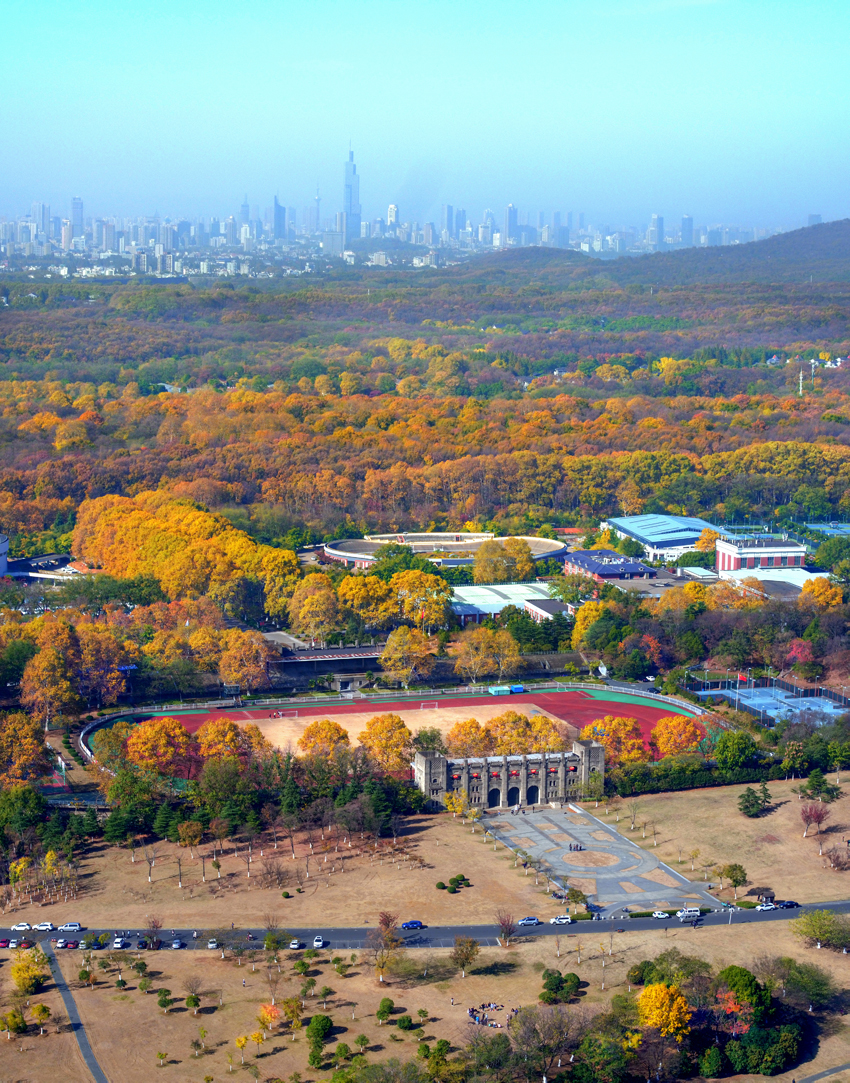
(505, 781)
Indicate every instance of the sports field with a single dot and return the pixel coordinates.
(576, 707)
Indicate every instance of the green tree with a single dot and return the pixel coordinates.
(735, 750)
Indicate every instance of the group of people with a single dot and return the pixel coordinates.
(576, 846)
(479, 1016)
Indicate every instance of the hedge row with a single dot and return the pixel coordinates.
(649, 778)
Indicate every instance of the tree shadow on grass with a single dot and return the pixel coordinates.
(496, 968)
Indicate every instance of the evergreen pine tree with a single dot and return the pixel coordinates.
(291, 798)
(90, 825)
(162, 821)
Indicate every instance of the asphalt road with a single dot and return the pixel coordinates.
(441, 936)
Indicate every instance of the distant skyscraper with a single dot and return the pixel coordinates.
(77, 222)
(815, 219)
(279, 221)
(687, 231)
(67, 235)
(510, 231)
(41, 217)
(541, 219)
(447, 222)
(460, 221)
(351, 200)
(244, 213)
(556, 220)
(392, 215)
(655, 233)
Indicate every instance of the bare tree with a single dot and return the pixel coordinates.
(273, 979)
(271, 921)
(507, 927)
(150, 853)
(289, 825)
(634, 806)
(271, 818)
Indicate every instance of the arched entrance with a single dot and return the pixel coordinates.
(513, 795)
(533, 795)
(494, 799)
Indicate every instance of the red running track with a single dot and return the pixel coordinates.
(574, 706)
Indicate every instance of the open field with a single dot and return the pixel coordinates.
(346, 886)
(771, 847)
(34, 1057)
(127, 1029)
(576, 707)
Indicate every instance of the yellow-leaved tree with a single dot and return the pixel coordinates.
(821, 592)
(158, 744)
(707, 540)
(665, 1008)
(407, 655)
(621, 737)
(218, 738)
(676, 734)
(468, 738)
(322, 738)
(388, 741)
(589, 613)
(369, 598)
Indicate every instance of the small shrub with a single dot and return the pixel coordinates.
(452, 890)
(404, 1022)
(643, 973)
(441, 886)
(711, 1063)
(286, 895)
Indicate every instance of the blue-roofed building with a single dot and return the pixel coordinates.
(664, 537)
(604, 565)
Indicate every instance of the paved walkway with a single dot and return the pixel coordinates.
(823, 1075)
(74, 1016)
(626, 875)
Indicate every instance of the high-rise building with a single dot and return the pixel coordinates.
(541, 219)
(509, 234)
(460, 221)
(67, 235)
(77, 223)
(278, 221)
(41, 218)
(687, 231)
(351, 200)
(244, 213)
(815, 219)
(447, 220)
(392, 215)
(655, 233)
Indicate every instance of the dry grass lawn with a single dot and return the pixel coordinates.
(771, 847)
(127, 1029)
(347, 887)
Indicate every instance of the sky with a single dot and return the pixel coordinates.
(733, 111)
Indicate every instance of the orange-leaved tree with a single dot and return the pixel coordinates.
(468, 738)
(245, 660)
(46, 687)
(22, 751)
(676, 734)
(158, 744)
(388, 741)
(322, 738)
(621, 737)
(219, 737)
(665, 1008)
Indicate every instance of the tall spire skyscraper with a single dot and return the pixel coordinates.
(351, 201)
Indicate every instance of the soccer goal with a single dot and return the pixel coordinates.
(287, 714)
(430, 705)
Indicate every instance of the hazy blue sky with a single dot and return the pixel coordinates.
(731, 110)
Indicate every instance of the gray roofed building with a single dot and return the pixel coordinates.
(665, 537)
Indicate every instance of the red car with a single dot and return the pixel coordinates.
(4, 943)
(27, 944)
(72, 944)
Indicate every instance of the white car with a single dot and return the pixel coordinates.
(561, 919)
(12, 945)
(119, 943)
(44, 927)
(294, 944)
(528, 921)
(60, 943)
(21, 927)
(212, 945)
(70, 927)
(660, 914)
(767, 906)
(318, 941)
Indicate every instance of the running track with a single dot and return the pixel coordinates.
(577, 707)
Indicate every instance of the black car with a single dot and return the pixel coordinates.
(787, 905)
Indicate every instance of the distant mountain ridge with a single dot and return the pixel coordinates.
(816, 253)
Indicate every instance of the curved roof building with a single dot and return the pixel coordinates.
(451, 550)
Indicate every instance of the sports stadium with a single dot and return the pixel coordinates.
(449, 550)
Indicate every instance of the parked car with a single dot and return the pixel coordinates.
(660, 914)
(176, 945)
(13, 944)
(412, 925)
(561, 919)
(528, 921)
(21, 927)
(26, 944)
(44, 927)
(787, 905)
(70, 927)
(61, 942)
(212, 944)
(4, 943)
(119, 943)
(318, 941)
(767, 906)
(294, 944)
(72, 944)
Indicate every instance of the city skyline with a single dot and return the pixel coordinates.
(623, 108)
